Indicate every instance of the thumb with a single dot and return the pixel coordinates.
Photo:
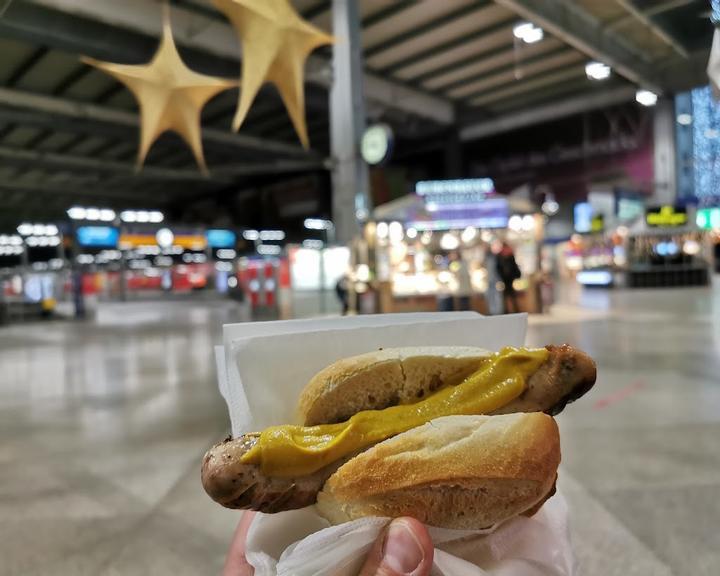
(403, 549)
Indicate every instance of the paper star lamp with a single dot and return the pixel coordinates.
(170, 95)
(275, 42)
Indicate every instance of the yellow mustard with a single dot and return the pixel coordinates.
(299, 450)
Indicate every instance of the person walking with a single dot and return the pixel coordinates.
(508, 271)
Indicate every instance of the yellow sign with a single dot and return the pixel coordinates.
(188, 241)
(666, 216)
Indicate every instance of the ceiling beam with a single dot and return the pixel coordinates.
(69, 162)
(551, 111)
(127, 31)
(655, 28)
(452, 44)
(582, 30)
(650, 11)
(94, 113)
(102, 193)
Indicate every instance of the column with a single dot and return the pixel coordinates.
(665, 178)
(350, 180)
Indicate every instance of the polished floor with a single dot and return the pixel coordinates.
(103, 424)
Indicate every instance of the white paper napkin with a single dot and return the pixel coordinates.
(262, 367)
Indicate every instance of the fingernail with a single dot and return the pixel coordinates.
(402, 551)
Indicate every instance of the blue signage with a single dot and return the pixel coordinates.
(221, 238)
(97, 236)
(583, 213)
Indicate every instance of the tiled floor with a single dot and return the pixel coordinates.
(103, 425)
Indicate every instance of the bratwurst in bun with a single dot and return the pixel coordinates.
(456, 437)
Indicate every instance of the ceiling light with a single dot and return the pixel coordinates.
(156, 216)
(25, 229)
(646, 97)
(107, 215)
(528, 32)
(313, 244)
(684, 119)
(271, 235)
(251, 235)
(92, 214)
(411, 233)
(318, 224)
(597, 71)
(269, 249)
(77, 213)
(226, 253)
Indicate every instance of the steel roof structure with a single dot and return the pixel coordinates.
(68, 133)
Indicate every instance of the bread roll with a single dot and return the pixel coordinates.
(462, 472)
(376, 380)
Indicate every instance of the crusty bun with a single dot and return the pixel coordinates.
(462, 472)
(376, 380)
(393, 376)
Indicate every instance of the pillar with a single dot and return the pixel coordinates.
(665, 178)
(350, 179)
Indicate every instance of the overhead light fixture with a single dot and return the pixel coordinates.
(684, 119)
(313, 244)
(271, 235)
(97, 214)
(318, 224)
(269, 249)
(251, 235)
(597, 71)
(646, 97)
(528, 32)
(130, 216)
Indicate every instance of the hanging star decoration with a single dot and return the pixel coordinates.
(170, 95)
(275, 42)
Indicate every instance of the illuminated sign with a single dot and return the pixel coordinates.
(221, 238)
(461, 193)
(629, 209)
(97, 236)
(490, 213)
(708, 218)
(582, 217)
(666, 216)
(188, 241)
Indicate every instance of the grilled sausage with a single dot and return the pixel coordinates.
(566, 375)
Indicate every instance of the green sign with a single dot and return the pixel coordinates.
(708, 218)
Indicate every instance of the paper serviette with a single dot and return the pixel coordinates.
(263, 366)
